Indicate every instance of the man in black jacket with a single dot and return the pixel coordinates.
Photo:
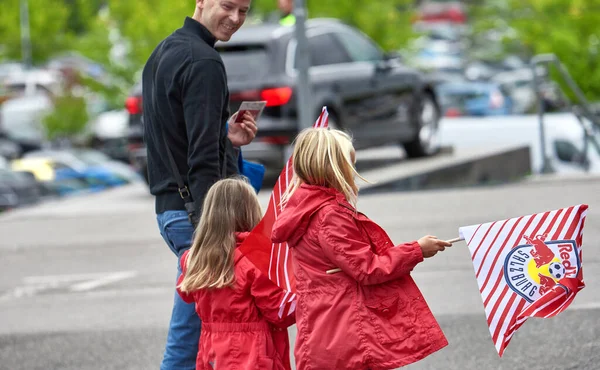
(185, 105)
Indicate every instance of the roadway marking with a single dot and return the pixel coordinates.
(105, 280)
(75, 283)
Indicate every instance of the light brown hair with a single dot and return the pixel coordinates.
(324, 157)
(230, 206)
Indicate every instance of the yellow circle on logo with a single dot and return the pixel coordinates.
(533, 271)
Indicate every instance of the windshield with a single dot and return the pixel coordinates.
(22, 126)
(245, 62)
(459, 100)
(21, 119)
(91, 158)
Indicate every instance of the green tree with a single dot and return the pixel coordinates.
(142, 25)
(48, 28)
(68, 118)
(78, 25)
(388, 22)
(567, 28)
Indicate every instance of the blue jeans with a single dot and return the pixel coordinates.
(184, 330)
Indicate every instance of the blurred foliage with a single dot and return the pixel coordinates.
(77, 25)
(388, 22)
(567, 28)
(48, 24)
(120, 35)
(68, 118)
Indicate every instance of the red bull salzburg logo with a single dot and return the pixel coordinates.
(536, 267)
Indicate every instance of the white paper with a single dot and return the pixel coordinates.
(254, 107)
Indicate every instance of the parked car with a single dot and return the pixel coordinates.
(8, 198)
(473, 99)
(519, 84)
(8, 149)
(69, 172)
(368, 93)
(21, 120)
(437, 11)
(93, 166)
(33, 82)
(109, 134)
(567, 148)
(17, 189)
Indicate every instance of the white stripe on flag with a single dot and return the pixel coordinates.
(496, 294)
(489, 245)
(562, 235)
(503, 313)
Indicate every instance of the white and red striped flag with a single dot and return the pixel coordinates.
(530, 266)
(274, 259)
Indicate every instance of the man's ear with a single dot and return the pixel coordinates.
(200, 4)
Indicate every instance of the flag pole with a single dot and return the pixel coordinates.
(451, 241)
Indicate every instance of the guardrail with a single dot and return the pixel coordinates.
(581, 110)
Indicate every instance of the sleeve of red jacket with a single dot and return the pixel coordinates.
(187, 298)
(268, 297)
(343, 243)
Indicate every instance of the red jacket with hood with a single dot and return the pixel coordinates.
(241, 329)
(369, 316)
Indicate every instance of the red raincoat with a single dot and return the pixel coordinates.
(240, 326)
(369, 316)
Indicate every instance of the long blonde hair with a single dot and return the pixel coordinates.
(230, 206)
(325, 157)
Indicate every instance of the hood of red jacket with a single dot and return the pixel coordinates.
(291, 224)
(240, 237)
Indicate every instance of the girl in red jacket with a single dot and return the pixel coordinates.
(238, 306)
(371, 315)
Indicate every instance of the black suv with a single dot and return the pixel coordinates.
(368, 93)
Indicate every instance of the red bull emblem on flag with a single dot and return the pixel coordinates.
(530, 266)
(274, 259)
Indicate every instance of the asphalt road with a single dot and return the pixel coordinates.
(87, 282)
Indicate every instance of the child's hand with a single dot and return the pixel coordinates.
(430, 245)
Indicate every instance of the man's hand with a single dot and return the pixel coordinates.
(244, 132)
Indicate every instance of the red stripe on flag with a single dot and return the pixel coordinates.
(274, 259)
(497, 303)
(514, 324)
(500, 277)
(489, 249)
(500, 250)
(558, 303)
(482, 240)
(473, 236)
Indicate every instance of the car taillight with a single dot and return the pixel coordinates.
(276, 96)
(452, 112)
(133, 104)
(249, 95)
(134, 146)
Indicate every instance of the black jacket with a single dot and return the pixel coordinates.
(186, 106)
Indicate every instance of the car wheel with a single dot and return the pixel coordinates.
(426, 142)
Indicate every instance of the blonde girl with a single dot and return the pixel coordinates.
(237, 304)
(370, 315)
